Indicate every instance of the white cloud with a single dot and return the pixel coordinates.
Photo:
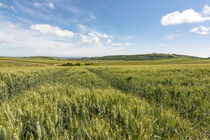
(101, 35)
(93, 31)
(172, 36)
(44, 5)
(30, 42)
(202, 30)
(206, 10)
(90, 38)
(46, 28)
(122, 44)
(98, 37)
(187, 16)
(94, 36)
(109, 41)
(51, 5)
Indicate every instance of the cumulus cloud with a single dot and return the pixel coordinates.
(187, 16)
(90, 38)
(46, 29)
(97, 37)
(202, 30)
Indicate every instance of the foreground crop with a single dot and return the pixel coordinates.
(105, 102)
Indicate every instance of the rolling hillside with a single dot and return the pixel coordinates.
(146, 59)
(153, 56)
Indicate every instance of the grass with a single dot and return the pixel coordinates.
(156, 62)
(10, 63)
(164, 101)
(30, 61)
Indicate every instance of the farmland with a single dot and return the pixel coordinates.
(54, 61)
(158, 99)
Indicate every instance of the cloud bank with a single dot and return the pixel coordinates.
(60, 42)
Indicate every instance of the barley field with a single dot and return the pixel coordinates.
(105, 102)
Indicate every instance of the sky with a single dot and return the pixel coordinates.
(86, 28)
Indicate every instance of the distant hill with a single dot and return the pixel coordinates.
(46, 57)
(153, 56)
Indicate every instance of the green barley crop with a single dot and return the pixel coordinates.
(112, 102)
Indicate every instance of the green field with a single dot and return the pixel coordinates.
(156, 99)
(52, 61)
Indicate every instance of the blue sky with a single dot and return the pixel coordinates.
(77, 28)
